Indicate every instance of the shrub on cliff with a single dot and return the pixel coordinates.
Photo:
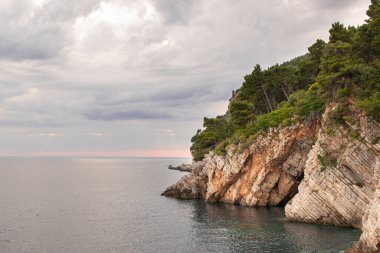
(371, 105)
(348, 65)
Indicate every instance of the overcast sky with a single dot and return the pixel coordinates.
(136, 77)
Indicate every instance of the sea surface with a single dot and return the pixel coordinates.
(114, 205)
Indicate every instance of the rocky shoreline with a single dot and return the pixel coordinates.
(324, 173)
(182, 167)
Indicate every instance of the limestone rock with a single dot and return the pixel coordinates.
(339, 178)
(266, 172)
(341, 183)
(370, 238)
(331, 169)
(190, 186)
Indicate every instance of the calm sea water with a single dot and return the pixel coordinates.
(114, 205)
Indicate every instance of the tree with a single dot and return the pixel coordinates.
(241, 113)
(339, 33)
(374, 26)
(316, 50)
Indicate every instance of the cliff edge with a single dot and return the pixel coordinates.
(341, 183)
(325, 170)
(266, 172)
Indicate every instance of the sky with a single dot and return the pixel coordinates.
(117, 78)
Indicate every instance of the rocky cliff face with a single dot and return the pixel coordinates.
(370, 239)
(266, 172)
(339, 176)
(341, 183)
(190, 186)
(327, 173)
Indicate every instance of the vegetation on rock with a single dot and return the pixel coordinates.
(347, 66)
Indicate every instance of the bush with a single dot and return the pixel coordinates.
(326, 161)
(371, 105)
(306, 102)
(221, 148)
(337, 115)
(346, 66)
(344, 92)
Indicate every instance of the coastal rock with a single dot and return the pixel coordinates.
(190, 186)
(325, 172)
(370, 238)
(182, 167)
(341, 183)
(266, 172)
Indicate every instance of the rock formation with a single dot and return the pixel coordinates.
(370, 239)
(341, 183)
(327, 173)
(182, 167)
(190, 186)
(266, 172)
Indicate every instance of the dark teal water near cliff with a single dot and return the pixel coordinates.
(114, 205)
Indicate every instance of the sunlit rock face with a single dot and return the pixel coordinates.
(341, 183)
(370, 239)
(266, 172)
(325, 172)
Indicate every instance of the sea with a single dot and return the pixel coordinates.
(62, 205)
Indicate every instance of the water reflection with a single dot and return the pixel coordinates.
(229, 228)
(97, 206)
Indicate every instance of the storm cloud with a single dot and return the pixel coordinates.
(132, 69)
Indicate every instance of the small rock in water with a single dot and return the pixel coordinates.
(182, 167)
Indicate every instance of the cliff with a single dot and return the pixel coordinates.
(325, 172)
(341, 180)
(266, 172)
(325, 168)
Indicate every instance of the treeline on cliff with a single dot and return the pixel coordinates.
(347, 67)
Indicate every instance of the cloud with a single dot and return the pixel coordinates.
(175, 12)
(333, 4)
(128, 115)
(49, 135)
(133, 68)
(33, 31)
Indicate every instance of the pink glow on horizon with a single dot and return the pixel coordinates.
(106, 153)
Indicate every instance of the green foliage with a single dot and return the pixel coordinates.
(373, 29)
(349, 119)
(300, 105)
(355, 136)
(339, 33)
(351, 58)
(344, 92)
(221, 147)
(336, 116)
(216, 130)
(306, 102)
(371, 105)
(265, 121)
(326, 162)
(241, 113)
(346, 66)
(337, 67)
(330, 131)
